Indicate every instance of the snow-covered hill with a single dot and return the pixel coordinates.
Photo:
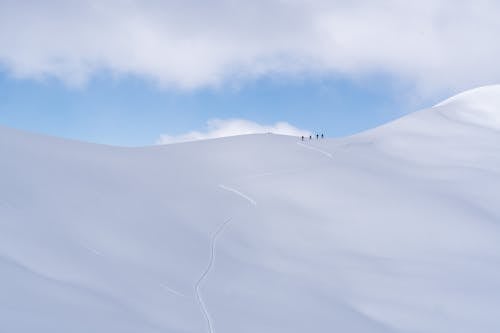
(393, 230)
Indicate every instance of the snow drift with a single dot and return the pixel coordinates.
(393, 230)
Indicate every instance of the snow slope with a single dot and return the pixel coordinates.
(393, 230)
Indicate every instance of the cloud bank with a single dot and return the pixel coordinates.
(217, 128)
(187, 44)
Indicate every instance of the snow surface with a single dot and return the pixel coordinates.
(393, 230)
(477, 106)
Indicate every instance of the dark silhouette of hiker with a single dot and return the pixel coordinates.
(317, 136)
(322, 135)
(310, 137)
(302, 138)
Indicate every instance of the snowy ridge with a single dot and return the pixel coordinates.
(480, 106)
(398, 233)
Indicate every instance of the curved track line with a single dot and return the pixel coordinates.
(329, 155)
(205, 273)
(170, 290)
(244, 196)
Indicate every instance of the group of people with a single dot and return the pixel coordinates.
(317, 137)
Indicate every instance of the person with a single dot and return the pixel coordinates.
(317, 136)
(322, 135)
(310, 137)
(302, 138)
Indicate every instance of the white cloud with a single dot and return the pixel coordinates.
(186, 44)
(217, 128)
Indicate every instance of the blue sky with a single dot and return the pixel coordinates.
(134, 112)
(132, 72)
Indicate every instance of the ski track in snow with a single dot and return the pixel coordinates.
(170, 290)
(213, 243)
(204, 275)
(329, 155)
(244, 196)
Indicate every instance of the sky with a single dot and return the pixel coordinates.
(136, 73)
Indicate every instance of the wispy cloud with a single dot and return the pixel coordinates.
(217, 128)
(432, 44)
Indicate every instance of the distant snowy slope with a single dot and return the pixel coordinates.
(396, 229)
(478, 106)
